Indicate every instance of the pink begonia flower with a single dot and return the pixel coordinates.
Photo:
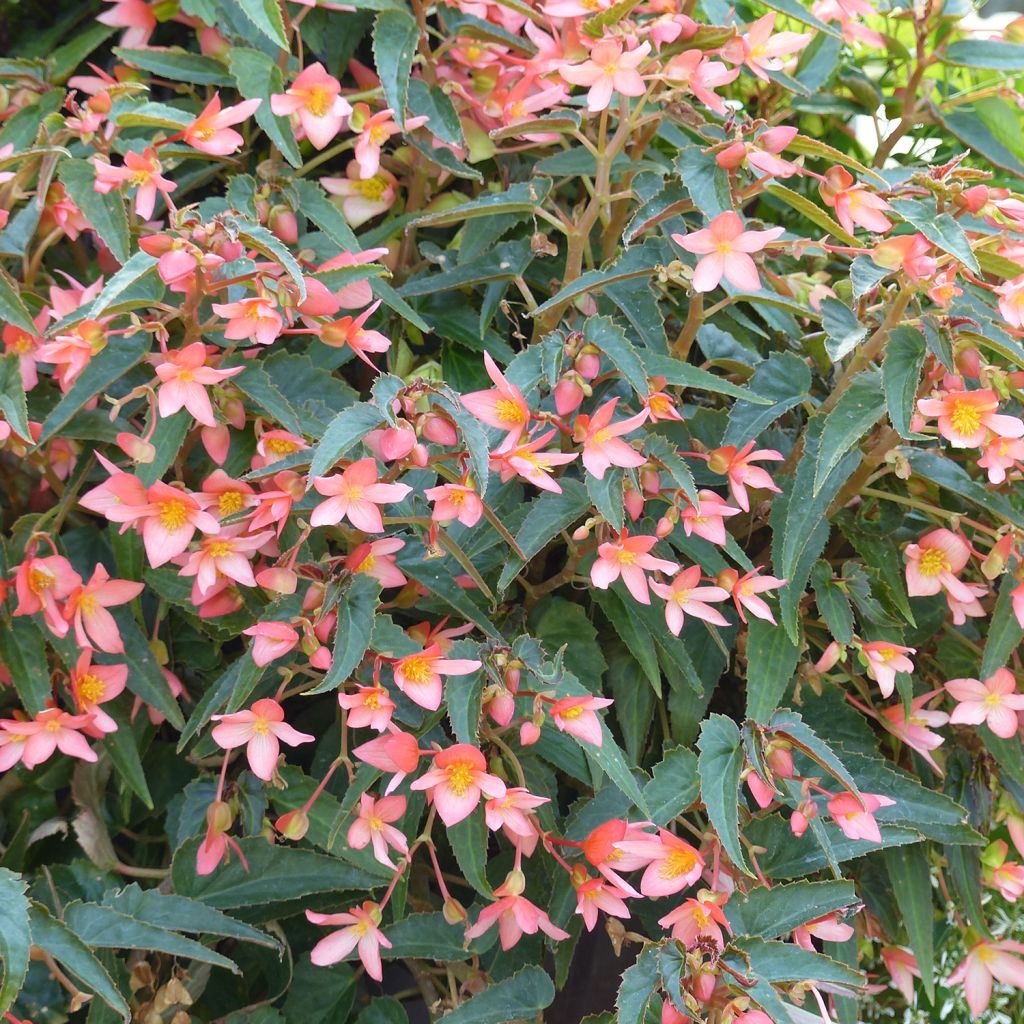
(93, 685)
(630, 558)
(374, 131)
(745, 590)
(902, 968)
(594, 895)
(697, 919)
(184, 378)
(512, 813)
(994, 702)
(1017, 601)
(884, 660)
(141, 171)
(984, 962)
(527, 461)
(350, 332)
(972, 608)
(261, 729)
(660, 404)
(908, 253)
(211, 131)
(362, 199)
(274, 445)
(514, 915)
(601, 849)
(217, 844)
(255, 317)
(1011, 301)
(752, 1017)
(608, 70)
(707, 520)
(418, 675)
(762, 153)
(502, 406)
(24, 344)
(853, 203)
(360, 931)
(915, 728)
(392, 444)
(1006, 876)
(271, 640)
(137, 19)
(51, 730)
(724, 247)
(966, 417)
(457, 781)
(672, 863)
(373, 826)
(693, 70)
(455, 501)
(226, 554)
(576, 716)
(170, 518)
(933, 563)
(736, 464)
(828, 928)
(846, 13)
(355, 494)
(685, 596)
(760, 51)
(369, 707)
(397, 752)
(377, 559)
(316, 97)
(599, 437)
(1001, 454)
(40, 584)
(855, 816)
(944, 288)
(87, 606)
(353, 294)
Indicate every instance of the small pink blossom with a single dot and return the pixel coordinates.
(576, 716)
(608, 70)
(360, 930)
(630, 558)
(418, 675)
(377, 559)
(707, 519)
(854, 204)
(41, 584)
(530, 463)
(184, 378)
(271, 640)
(696, 919)
(594, 895)
(355, 494)
(984, 962)
(315, 97)
(933, 565)
(93, 685)
(51, 730)
(397, 752)
(884, 660)
(254, 318)
(761, 51)
(350, 332)
(457, 781)
(141, 171)
(600, 438)
(211, 131)
(503, 406)
(966, 417)
(373, 826)
(855, 816)
(672, 863)
(685, 596)
(994, 702)
(902, 968)
(725, 247)
(455, 501)
(514, 915)
(915, 728)
(369, 706)
(746, 590)
(736, 464)
(87, 608)
(260, 729)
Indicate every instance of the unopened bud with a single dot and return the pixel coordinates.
(135, 448)
(529, 733)
(219, 816)
(514, 884)
(780, 759)
(995, 561)
(282, 222)
(278, 580)
(454, 912)
(727, 579)
(293, 825)
(664, 528)
(581, 533)
(798, 823)
(719, 461)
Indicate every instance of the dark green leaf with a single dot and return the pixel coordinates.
(356, 611)
(395, 37)
(525, 994)
(12, 309)
(176, 64)
(859, 408)
(23, 653)
(784, 381)
(610, 338)
(686, 375)
(638, 988)
(258, 78)
(343, 433)
(105, 213)
(674, 786)
(911, 879)
(1004, 632)
(15, 938)
(707, 183)
(313, 202)
(469, 844)
(771, 663)
(720, 764)
(266, 16)
(939, 228)
(769, 913)
(986, 54)
(832, 602)
(845, 332)
(522, 197)
(901, 374)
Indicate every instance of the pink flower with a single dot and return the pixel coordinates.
(1006, 876)
(686, 595)
(1001, 454)
(93, 685)
(211, 133)
(884, 660)
(601, 849)
(87, 608)
(527, 461)
(725, 250)
(217, 843)
(708, 519)
(630, 558)
(315, 97)
(908, 253)
(576, 716)
(594, 895)
(397, 752)
(455, 501)
(141, 170)
(761, 51)
(736, 465)
(373, 133)
(456, 782)
(363, 198)
(607, 71)
(349, 331)
(373, 825)
(513, 814)
(600, 439)
(695, 71)
(915, 728)
(52, 729)
(418, 676)
(136, 17)
(368, 706)
(762, 153)
(1011, 301)
(994, 702)
(355, 494)
(696, 919)
(853, 203)
(902, 968)
(966, 417)
(377, 559)
(361, 930)
(170, 519)
(745, 590)
(41, 584)
(228, 555)
(184, 378)
(255, 317)
(672, 863)
(271, 640)
(503, 406)
(985, 961)
(827, 928)
(261, 729)
(933, 564)
(515, 916)
(856, 816)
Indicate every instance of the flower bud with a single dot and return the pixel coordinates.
(514, 884)
(581, 533)
(664, 528)
(634, 502)
(732, 156)
(293, 825)
(588, 362)
(829, 657)
(278, 580)
(727, 579)
(703, 985)
(780, 759)
(512, 675)
(282, 222)
(995, 561)
(439, 430)
(135, 448)
(219, 816)
(798, 823)
(529, 733)
(568, 395)
(454, 912)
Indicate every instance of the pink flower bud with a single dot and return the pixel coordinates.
(529, 733)
(419, 456)
(703, 986)
(732, 156)
(568, 395)
(278, 580)
(293, 825)
(798, 824)
(760, 790)
(454, 912)
(780, 760)
(283, 223)
(664, 528)
(439, 430)
(634, 502)
(321, 659)
(217, 442)
(588, 362)
(829, 657)
(581, 533)
(135, 448)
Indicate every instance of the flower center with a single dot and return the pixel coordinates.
(457, 498)
(700, 917)
(260, 727)
(221, 549)
(319, 101)
(367, 564)
(460, 777)
(571, 714)
(40, 580)
(281, 446)
(510, 412)
(229, 503)
(379, 135)
(678, 862)
(91, 689)
(965, 418)
(173, 514)
(372, 188)
(417, 669)
(87, 604)
(372, 700)
(933, 562)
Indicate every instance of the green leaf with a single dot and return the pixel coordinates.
(469, 841)
(845, 332)
(771, 664)
(783, 380)
(865, 275)
(315, 205)
(145, 676)
(140, 265)
(633, 633)
(12, 309)
(123, 749)
(660, 450)
(395, 37)
(319, 995)
(784, 962)
(154, 115)
(686, 375)
(266, 16)
(812, 211)
(432, 102)
(105, 213)
(832, 602)
(674, 785)
(504, 262)
(426, 936)
(954, 478)
(985, 54)
(707, 183)
(939, 228)
(606, 496)
(797, 11)
(638, 988)
(276, 874)
(966, 124)
(176, 64)
(464, 697)
(911, 879)
(769, 913)
(74, 956)
(343, 433)
(1004, 633)
(23, 652)
(610, 338)
(524, 995)
(473, 434)
(791, 725)
(522, 197)
(256, 383)
(258, 77)
(859, 408)
(14, 936)
(901, 374)
(383, 1010)
(720, 764)
(356, 611)
(815, 147)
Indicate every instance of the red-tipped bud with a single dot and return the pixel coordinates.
(780, 759)
(454, 912)
(135, 448)
(293, 825)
